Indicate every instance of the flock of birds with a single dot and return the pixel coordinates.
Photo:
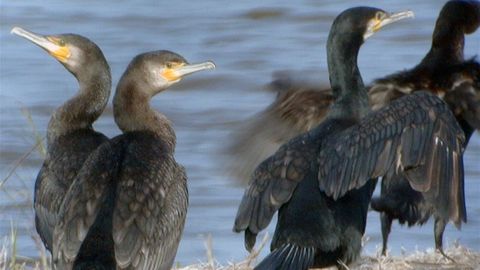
(121, 203)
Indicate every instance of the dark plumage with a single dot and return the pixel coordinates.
(321, 182)
(444, 72)
(297, 109)
(70, 135)
(127, 207)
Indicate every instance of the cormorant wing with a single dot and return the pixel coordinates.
(291, 81)
(383, 91)
(415, 136)
(66, 155)
(298, 107)
(272, 185)
(135, 185)
(82, 204)
(150, 211)
(45, 219)
(464, 97)
(462, 93)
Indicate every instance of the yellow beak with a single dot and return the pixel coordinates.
(390, 18)
(176, 73)
(48, 43)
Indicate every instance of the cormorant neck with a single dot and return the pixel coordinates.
(86, 106)
(447, 44)
(132, 112)
(351, 98)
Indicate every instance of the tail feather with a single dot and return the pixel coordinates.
(250, 239)
(378, 204)
(93, 265)
(412, 212)
(288, 257)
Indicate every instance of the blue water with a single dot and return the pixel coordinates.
(248, 40)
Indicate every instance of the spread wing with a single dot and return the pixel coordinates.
(298, 107)
(416, 136)
(272, 185)
(464, 100)
(381, 94)
(460, 90)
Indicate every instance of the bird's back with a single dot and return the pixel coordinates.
(137, 196)
(65, 157)
(158, 200)
(312, 218)
(458, 84)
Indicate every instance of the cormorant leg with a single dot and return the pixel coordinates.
(386, 221)
(340, 266)
(438, 231)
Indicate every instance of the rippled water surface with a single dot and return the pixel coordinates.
(248, 40)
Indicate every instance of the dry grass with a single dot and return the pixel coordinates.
(465, 259)
(10, 258)
(424, 260)
(212, 264)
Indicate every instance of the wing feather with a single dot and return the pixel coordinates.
(416, 136)
(82, 203)
(150, 204)
(273, 184)
(65, 157)
(150, 208)
(298, 107)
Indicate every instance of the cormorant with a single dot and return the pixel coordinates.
(320, 181)
(444, 72)
(298, 107)
(70, 135)
(127, 207)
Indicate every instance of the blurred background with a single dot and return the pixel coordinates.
(248, 40)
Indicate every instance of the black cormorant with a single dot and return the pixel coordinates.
(298, 107)
(127, 207)
(320, 181)
(70, 135)
(444, 72)
(301, 104)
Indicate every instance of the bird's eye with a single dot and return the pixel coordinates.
(169, 65)
(61, 42)
(379, 16)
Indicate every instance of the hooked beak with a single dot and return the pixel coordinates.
(174, 74)
(378, 24)
(48, 43)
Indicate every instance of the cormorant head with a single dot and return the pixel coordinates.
(347, 34)
(77, 53)
(360, 23)
(157, 70)
(461, 14)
